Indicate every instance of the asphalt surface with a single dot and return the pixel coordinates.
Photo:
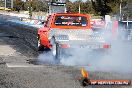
(16, 72)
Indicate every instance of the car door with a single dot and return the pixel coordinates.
(45, 30)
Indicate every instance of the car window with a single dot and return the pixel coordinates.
(71, 21)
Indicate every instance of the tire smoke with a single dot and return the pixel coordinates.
(118, 58)
(46, 58)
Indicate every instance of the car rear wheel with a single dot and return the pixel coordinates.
(55, 50)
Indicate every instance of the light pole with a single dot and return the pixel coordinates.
(12, 4)
(30, 9)
(79, 8)
(5, 4)
(120, 10)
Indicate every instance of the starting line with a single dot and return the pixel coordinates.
(19, 65)
(27, 65)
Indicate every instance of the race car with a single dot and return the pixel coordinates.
(69, 30)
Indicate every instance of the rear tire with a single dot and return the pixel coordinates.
(55, 50)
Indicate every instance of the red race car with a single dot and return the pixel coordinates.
(68, 30)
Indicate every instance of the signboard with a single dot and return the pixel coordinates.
(6, 3)
(2, 3)
(107, 18)
(57, 4)
(57, 7)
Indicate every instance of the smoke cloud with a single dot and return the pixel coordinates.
(46, 58)
(118, 58)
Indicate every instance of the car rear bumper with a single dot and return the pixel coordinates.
(82, 44)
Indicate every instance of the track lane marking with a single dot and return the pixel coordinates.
(17, 65)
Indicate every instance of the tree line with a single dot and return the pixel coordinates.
(97, 7)
(37, 5)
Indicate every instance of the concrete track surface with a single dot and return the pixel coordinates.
(15, 72)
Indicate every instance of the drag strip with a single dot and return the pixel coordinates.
(18, 67)
(27, 33)
(16, 73)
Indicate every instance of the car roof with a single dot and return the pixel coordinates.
(80, 14)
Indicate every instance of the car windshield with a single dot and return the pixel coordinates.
(71, 21)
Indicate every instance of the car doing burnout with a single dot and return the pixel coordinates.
(69, 30)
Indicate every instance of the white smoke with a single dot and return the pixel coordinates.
(118, 58)
(46, 58)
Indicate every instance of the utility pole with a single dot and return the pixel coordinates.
(5, 4)
(120, 10)
(30, 9)
(12, 4)
(79, 8)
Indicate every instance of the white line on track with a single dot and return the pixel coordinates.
(19, 65)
